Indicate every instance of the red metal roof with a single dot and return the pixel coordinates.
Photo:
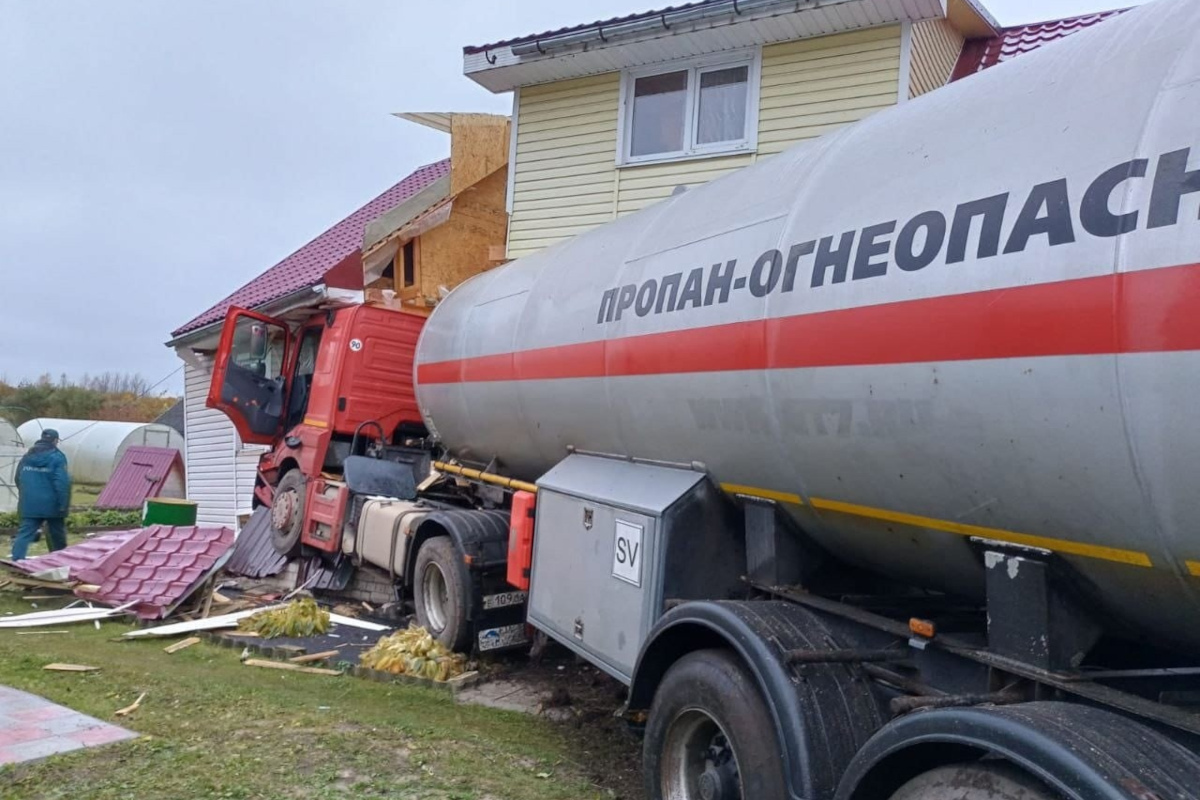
(979, 54)
(308, 265)
(155, 568)
(140, 474)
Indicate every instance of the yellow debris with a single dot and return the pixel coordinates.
(296, 620)
(414, 652)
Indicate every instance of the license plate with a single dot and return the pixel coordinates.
(504, 636)
(503, 600)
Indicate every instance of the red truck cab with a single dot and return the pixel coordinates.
(305, 390)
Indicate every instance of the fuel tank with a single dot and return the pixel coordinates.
(976, 314)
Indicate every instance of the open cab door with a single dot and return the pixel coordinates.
(249, 380)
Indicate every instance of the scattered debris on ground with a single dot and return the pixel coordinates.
(182, 645)
(261, 662)
(57, 667)
(414, 652)
(299, 618)
(132, 707)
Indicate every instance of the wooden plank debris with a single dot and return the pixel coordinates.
(259, 662)
(314, 657)
(57, 667)
(132, 707)
(188, 642)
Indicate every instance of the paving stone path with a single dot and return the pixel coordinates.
(32, 727)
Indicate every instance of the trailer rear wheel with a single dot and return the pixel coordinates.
(710, 735)
(441, 593)
(984, 781)
(287, 513)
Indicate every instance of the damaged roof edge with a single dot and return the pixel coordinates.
(308, 295)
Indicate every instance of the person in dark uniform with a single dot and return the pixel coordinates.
(44, 495)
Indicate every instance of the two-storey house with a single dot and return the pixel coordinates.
(612, 116)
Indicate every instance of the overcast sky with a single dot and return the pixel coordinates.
(154, 155)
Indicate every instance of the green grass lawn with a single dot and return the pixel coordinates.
(83, 495)
(213, 728)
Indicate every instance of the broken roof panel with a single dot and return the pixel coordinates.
(154, 568)
(979, 54)
(78, 556)
(308, 266)
(254, 555)
(141, 474)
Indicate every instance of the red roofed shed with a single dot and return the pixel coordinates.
(143, 473)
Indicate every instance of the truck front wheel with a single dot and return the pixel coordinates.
(441, 593)
(710, 735)
(287, 513)
(983, 781)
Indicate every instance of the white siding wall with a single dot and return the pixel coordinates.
(210, 449)
(247, 469)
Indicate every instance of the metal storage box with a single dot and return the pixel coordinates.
(614, 540)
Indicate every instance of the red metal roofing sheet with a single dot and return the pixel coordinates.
(79, 556)
(140, 474)
(979, 54)
(154, 568)
(308, 265)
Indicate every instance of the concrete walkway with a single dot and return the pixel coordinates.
(32, 728)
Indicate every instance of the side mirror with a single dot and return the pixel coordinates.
(258, 341)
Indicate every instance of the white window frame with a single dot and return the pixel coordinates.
(750, 57)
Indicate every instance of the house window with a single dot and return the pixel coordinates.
(698, 108)
(409, 262)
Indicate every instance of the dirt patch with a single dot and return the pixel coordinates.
(582, 702)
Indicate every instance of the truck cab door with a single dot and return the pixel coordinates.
(249, 380)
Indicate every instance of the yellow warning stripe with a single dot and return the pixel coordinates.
(1193, 567)
(766, 494)
(1131, 557)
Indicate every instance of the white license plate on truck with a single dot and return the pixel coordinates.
(503, 600)
(504, 636)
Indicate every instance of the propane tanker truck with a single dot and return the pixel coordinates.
(872, 470)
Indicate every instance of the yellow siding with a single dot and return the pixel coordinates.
(566, 180)
(566, 149)
(935, 49)
(814, 86)
(641, 185)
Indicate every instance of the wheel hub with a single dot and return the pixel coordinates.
(717, 783)
(699, 762)
(282, 510)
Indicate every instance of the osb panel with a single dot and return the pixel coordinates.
(460, 248)
(478, 147)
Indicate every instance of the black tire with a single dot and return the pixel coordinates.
(286, 538)
(441, 593)
(707, 709)
(982, 781)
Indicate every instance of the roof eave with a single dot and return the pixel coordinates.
(594, 50)
(301, 298)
